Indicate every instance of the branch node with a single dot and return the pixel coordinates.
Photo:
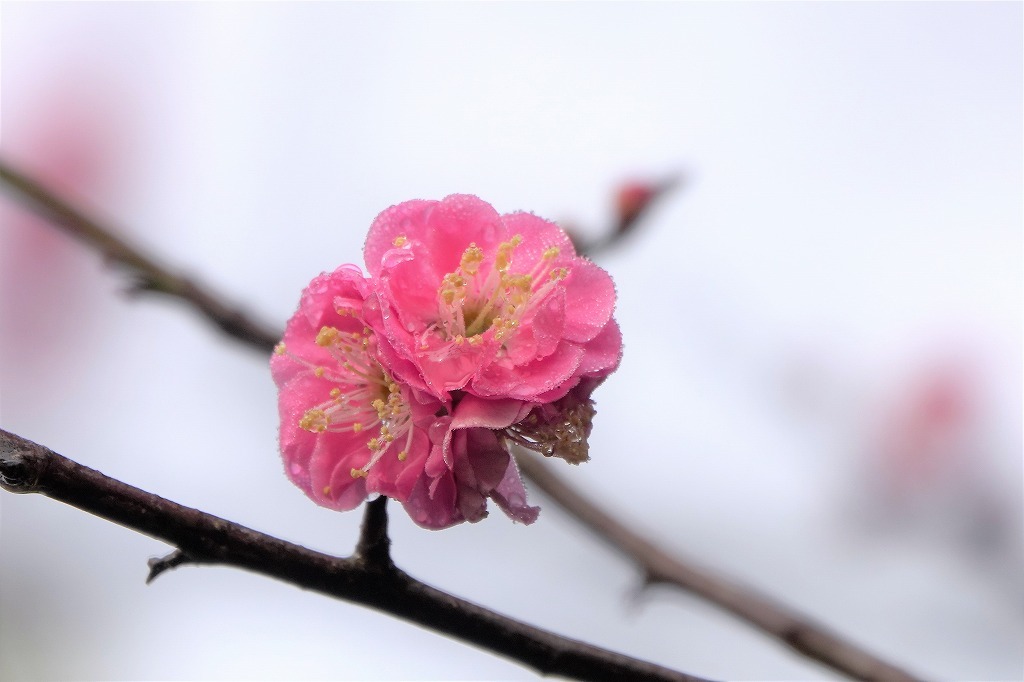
(139, 284)
(374, 547)
(158, 565)
(22, 464)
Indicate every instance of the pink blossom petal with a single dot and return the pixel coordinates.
(432, 504)
(510, 496)
(539, 235)
(457, 221)
(397, 221)
(404, 284)
(589, 301)
(548, 325)
(604, 352)
(330, 471)
(525, 382)
(487, 457)
(474, 412)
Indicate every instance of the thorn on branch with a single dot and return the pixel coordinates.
(374, 547)
(158, 565)
(139, 284)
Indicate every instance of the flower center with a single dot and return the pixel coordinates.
(363, 395)
(473, 300)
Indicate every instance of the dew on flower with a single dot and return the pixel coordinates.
(473, 333)
(473, 301)
(363, 394)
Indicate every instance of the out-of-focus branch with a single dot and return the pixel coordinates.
(787, 625)
(149, 274)
(811, 639)
(368, 578)
(633, 201)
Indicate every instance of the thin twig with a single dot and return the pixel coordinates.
(780, 622)
(26, 467)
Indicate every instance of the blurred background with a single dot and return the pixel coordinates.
(821, 389)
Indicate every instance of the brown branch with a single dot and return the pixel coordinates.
(374, 546)
(633, 202)
(369, 578)
(149, 274)
(798, 631)
(780, 622)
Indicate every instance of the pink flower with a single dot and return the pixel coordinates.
(471, 443)
(350, 429)
(496, 306)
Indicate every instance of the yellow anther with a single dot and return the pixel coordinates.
(327, 490)
(373, 444)
(454, 279)
(358, 473)
(335, 392)
(279, 349)
(471, 259)
(315, 420)
(327, 336)
(559, 273)
(357, 427)
(551, 253)
(400, 241)
(504, 256)
(520, 282)
(402, 455)
(318, 372)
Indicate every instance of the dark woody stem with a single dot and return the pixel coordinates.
(782, 623)
(368, 578)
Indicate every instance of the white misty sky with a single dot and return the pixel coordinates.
(851, 221)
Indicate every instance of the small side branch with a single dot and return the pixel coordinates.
(27, 467)
(172, 560)
(374, 547)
